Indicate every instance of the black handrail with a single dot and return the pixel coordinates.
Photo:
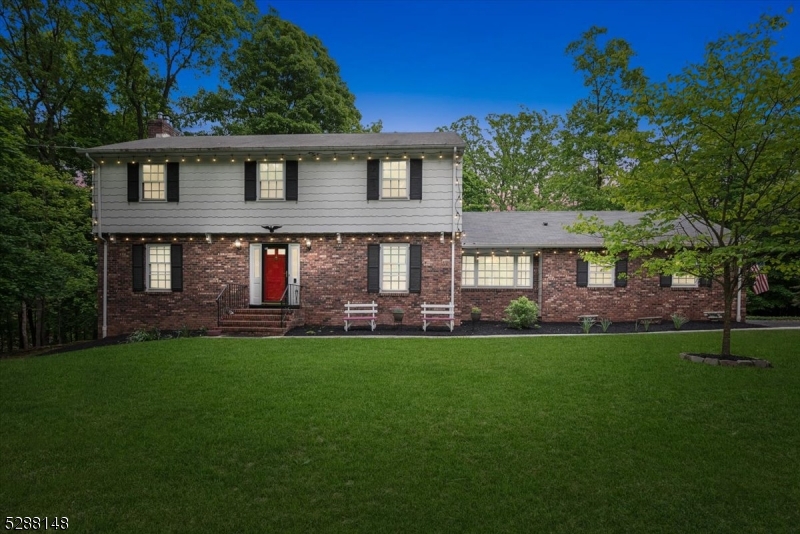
(232, 297)
(289, 299)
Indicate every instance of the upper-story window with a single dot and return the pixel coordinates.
(154, 181)
(684, 280)
(601, 275)
(394, 179)
(270, 179)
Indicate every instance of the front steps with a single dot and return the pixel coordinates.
(257, 322)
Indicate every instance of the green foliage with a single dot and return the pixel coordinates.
(679, 320)
(521, 313)
(586, 324)
(783, 297)
(605, 323)
(279, 80)
(146, 334)
(646, 324)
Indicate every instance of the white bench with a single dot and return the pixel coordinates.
(437, 313)
(714, 315)
(354, 312)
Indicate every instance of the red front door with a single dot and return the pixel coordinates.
(274, 273)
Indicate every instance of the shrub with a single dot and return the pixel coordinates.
(586, 324)
(679, 320)
(144, 334)
(521, 313)
(605, 323)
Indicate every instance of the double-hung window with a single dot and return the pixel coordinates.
(601, 275)
(496, 271)
(158, 267)
(154, 181)
(394, 268)
(394, 179)
(270, 180)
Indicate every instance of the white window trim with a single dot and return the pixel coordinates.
(612, 268)
(147, 282)
(684, 285)
(408, 270)
(408, 180)
(142, 182)
(258, 182)
(515, 285)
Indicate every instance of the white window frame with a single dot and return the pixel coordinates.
(685, 280)
(594, 272)
(473, 259)
(386, 246)
(167, 273)
(282, 166)
(145, 171)
(406, 194)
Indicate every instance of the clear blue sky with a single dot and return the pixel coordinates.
(421, 64)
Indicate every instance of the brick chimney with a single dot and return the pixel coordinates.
(161, 127)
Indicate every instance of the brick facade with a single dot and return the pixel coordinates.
(563, 300)
(330, 275)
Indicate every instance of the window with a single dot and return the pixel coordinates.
(153, 182)
(270, 179)
(158, 267)
(394, 179)
(496, 271)
(394, 268)
(601, 275)
(684, 280)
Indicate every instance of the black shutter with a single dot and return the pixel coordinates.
(137, 256)
(173, 189)
(665, 280)
(416, 179)
(373, 178)
(176, 267)
(373, 268)
(133, 182)
(704, 282)
(250, 179)
(291, 180)
(415, 268)
(621, 268)
(582, 279)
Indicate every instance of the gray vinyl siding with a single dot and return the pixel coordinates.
(331, 198)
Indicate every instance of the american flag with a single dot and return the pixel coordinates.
(760, 283)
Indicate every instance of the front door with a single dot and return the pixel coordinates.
(274, 280)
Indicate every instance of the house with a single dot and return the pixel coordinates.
(510, 254)
(262, 233)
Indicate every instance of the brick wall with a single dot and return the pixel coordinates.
(330, 273)
(563, 301)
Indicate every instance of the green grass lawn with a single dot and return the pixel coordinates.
(548, 434)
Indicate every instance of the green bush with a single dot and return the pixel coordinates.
(521, 313)
(679, 320)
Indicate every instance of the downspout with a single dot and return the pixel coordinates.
(541, 284)
(99, 204)
(453, 233)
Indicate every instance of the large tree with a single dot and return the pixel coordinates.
(279, 80)
(590, 156)
(508, 164)
(722, 156)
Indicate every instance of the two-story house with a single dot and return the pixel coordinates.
(311, 222)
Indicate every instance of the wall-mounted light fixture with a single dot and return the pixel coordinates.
(339, 238)
(308, 244)
(441, 238)
(237, 243)
(208, 238)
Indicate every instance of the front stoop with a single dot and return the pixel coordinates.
(257, 322)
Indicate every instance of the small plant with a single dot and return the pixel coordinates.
(646, 324)
(476, 309)
(144, 334)
(397, 310)
(521, 313)
(183, 332)
(679, 320)
(586, 324)
(605, 322)
(203, 330)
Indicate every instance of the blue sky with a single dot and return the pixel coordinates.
(418, 65)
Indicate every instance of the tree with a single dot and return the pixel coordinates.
(507, 165)
(590, 158)
(280, 80)
(722, 158)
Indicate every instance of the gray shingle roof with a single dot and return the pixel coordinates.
(444, 141)
(543, 229)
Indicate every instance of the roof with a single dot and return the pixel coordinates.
(306, 142)
(543, 229)
(546, 229)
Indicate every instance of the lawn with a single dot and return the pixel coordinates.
(550, 434)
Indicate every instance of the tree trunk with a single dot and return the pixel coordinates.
(23, 327)
(728, 288)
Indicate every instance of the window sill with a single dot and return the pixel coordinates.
(393, 293)
(157, 291)
(507, 288)
(271, 200)
(682, 288)
(152, 200)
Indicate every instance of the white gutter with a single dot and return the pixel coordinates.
(97, 197)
